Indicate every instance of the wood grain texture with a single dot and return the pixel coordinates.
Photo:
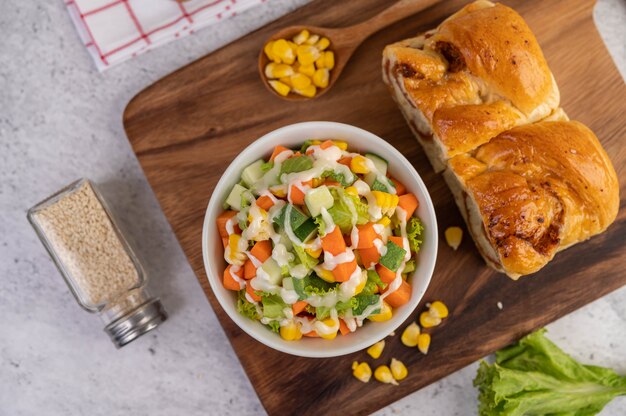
(186, 128)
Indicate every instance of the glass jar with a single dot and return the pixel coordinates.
(101, 270)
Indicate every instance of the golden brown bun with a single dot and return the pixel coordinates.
(539, 189)
(478, 74)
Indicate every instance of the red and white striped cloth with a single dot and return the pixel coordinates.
(116, 30)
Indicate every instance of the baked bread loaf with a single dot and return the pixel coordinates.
(532, 191)
(478, 74)
(478, 94)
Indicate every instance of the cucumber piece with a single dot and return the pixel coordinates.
(252, 173)
(306, 230)
(288, 283)
(393, 257)
(318, 198)
(284, 240)
(380, 163)
(234, 198)
(297, 218)
(273, 270)
(296, 164)
(409, 266)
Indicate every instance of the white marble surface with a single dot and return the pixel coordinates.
(60, 120)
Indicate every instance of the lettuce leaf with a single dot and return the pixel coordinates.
(273, 306)
(312, 285)
(267, 166)
(338, 177)
(535, 377)
(246, 308)
(414, 229)
(274, 326)
(341, 212)
(321, 225)
(363, 301)
(305, 259)
(296, 164)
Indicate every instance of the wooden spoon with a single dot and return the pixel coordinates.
(344, 41)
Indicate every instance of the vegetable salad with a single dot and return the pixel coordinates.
(318, 240)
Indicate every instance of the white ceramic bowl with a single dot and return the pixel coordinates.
(361, 141)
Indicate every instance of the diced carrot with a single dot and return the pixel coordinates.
(296, 154)
(309, 151)
(225, 242)
(346, 160)
(311, 334)
(343, 328)
(262, 250)
(397, 241)
(277, 150)
(385, 274)
(369, 256)
(327, 144)
(367, 235)
(264, 202)
(221, 221)
(249, 271)
(343, 271)
(400, 296)
(333, 242)
(229, 282)
(330, 182)
(298, 306)
(409, 203)
(400, 188)
(297, 195)
(250, 292)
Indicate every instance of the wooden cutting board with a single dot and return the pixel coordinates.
(188, 127)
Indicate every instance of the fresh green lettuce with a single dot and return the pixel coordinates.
(274, 326)
(312, 285)
(321, 225)
(373, 280)
(267, 166)
(337, 177)
(246, 308)
(535, 377)
(296, 164)
(414, 229)
(363, 301)
(273, 306)
(341, 212)
(305, 259)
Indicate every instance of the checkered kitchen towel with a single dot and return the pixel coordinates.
(116, 30)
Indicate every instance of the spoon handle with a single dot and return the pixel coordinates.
(389, 16)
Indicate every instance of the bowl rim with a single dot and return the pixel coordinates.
(427, 265)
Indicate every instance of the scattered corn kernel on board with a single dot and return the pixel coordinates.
(188, 127)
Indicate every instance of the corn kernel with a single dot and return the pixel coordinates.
(362, 372)
(312, 40)
(428, 321)
(358, 163)
(438, 309)
(410, 334)
(384, 221)
(301, 37)
(286, 81)
(314, 253)
(320, 62)
(383, 374)
(315, 182)
(278, 191)
(341, 144)
(307, 54)
(377, 349)
(282, 70)
(268, 50)
(306, 92)
(454, 235)
(329, 59)
(331, 323)
(282, 50)
(290, 332)
(398, 369)
(300, 81)
(385, 314)
(359, 288)
(423, 343)
(325, 275)
(351, 190)
(308, 70)
(282, 89)
(293, 46)
(386, 201)
(322, 44)
(321, 78)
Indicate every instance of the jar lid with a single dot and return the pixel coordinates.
(137, 322)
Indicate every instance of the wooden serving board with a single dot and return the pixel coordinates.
(187, 128)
